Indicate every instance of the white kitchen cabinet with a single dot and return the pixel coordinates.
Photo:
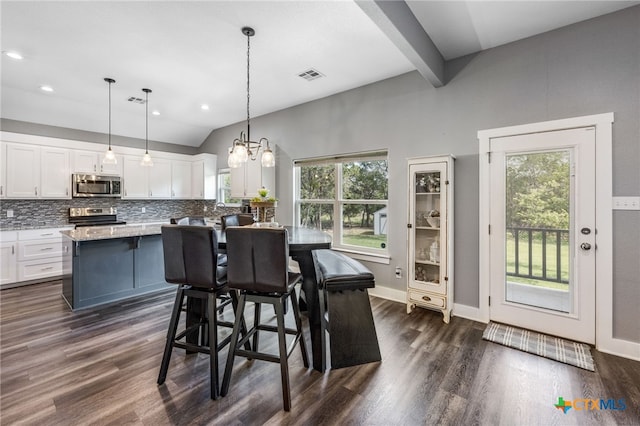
(180, 179)
(55, 177)
(40, 253)
(146, 182)
(159, 179)
(430, 228)
(135, 178)
(91, 162)
(37, 172)
(204, 175)
(8, 256)
(3, 170)
(246, 180)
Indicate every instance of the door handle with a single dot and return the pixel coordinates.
(585, 246)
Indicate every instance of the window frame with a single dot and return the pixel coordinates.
(338, 201)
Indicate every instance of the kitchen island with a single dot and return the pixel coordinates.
(110, 263)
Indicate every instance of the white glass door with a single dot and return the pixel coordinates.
(543, 232)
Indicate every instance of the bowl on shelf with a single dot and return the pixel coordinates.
(434, 222)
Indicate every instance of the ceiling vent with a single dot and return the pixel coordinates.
(310, 74)
(136, 100)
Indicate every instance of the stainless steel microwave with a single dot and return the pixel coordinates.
(86, 185)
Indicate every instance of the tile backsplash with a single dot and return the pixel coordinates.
(38, 213)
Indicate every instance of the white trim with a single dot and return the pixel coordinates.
(368, 257)
(469, 312)
(605, 342)
(392, 294)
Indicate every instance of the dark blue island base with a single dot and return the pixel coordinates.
(106, 270)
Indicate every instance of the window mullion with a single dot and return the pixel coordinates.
(337, 205)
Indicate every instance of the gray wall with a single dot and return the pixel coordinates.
(16, 126)
(588, 68)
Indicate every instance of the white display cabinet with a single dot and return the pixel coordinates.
(430, 229)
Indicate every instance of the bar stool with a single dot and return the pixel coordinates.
(257, 266)
(190, 254)
(240, 219)
(188, 220)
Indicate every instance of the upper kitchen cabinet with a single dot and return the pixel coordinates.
(203, 175)
(246, 180)
(3, 170)
(37, 172)
(146, 182)
(91, 162)
(180, 179)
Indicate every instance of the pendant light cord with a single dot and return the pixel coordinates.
(146, 127)
(248, 97)
(109, 116)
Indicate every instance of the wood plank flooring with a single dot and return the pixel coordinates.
(99, 366)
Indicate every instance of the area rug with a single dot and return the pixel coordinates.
(551, 347)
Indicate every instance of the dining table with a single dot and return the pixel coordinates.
(302, 242)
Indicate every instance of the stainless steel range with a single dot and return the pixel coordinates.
(94, 216)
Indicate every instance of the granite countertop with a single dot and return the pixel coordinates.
(91, 233)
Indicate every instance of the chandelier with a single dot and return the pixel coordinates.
(244, 148)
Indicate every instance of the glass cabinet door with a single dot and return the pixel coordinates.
(428, 230)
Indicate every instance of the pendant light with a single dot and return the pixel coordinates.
(109, 156)
(244, 148)
(146, 159)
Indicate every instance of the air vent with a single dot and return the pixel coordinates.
(310, 74)
(135, 100)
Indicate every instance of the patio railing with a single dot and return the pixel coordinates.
(524, 268)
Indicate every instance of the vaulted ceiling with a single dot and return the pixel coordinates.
(191, 53)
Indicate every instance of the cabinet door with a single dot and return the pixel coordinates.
(197, 179)
(427, 239)
(135, 178)
(160, 179)
(8, 265)
(55, 173)
(85, 161)
(3, 170)
(23, 171)
(111, 169)
(180, 179)
(238, 182)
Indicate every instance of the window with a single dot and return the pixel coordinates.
(346, 197)
(224, 188)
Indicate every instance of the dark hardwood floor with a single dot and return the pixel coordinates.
(99, 366)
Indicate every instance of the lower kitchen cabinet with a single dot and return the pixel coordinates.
(8, 256)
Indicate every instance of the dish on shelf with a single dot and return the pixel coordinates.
(434, 222)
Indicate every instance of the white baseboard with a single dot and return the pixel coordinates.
(619, 347)
(468, 312)
(389, 294)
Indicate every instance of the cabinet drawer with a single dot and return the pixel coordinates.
(35, 269)
(428, 299)
(41, 234)
(31, 250)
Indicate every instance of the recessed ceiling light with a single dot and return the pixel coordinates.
(205, 107)
(156, 113)
(46, 88)
(14, 55)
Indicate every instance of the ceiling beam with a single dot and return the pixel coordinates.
(397, 21)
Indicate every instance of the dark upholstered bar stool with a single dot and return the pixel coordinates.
(258, 260)
(189, 220)
(190, 254)
(240, 219)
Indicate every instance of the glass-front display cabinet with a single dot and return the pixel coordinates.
(430, 229)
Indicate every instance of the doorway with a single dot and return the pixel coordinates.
(575, 277)
(542, 237)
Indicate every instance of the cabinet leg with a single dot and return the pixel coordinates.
(446, 316)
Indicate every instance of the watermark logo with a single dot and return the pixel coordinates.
(581, 404)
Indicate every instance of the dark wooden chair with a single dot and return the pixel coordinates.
(257, 267)
(239, 219)
(190, 254)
